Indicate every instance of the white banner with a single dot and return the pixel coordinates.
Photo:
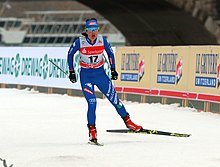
(31, 66)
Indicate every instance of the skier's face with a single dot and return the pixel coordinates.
(92, 33)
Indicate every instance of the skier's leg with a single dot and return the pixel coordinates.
(88, 91)
(107, 88)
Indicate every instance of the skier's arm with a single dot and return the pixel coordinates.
(111, 58)
(70, 57)
(110, 53)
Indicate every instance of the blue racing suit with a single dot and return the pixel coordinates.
(92, 73)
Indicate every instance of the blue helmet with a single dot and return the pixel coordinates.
(92, 23)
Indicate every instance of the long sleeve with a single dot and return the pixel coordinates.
(70, 57)
(110, 53)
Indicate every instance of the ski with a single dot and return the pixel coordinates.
(148, 131)
(95, 143)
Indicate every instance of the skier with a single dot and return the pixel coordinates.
(91, 46)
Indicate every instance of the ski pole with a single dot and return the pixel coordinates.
(50, 60)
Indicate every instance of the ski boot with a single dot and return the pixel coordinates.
(130, 125)
(92, 133)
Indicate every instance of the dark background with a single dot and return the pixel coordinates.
(152, 22)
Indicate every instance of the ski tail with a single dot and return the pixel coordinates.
(96, 143)
(148, 131)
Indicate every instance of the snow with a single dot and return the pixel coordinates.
(49, 130)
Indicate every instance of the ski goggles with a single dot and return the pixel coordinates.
(92, 29)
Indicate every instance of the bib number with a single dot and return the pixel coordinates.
(93, 59)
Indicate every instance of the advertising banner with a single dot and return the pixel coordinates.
(133, 66)
(170, 70)
(31, 66)
(190, 72)
(204, 73)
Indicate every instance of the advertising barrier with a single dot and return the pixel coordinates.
(134, 68)
(31, 66)
(169, 73)
(204, 72)
(185, 72)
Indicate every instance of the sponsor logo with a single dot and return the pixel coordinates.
(129, 77)
(92, 50)
(115, 99)
(84, 51)
(95, 51)
(119, 104)
(89, 85)
(167, 67)
(132, 67)
(19, 66)
(179, 70)
(166, 79)
(109, 89)
(205, 81)
(112, 94)
(92, 23)
(141, 69)
(207, 70)
(92, 100)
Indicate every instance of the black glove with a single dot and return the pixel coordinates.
(72, 76)
(114, 74)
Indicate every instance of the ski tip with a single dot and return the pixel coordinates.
(180, 135)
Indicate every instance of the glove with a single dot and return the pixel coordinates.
(114, 74)
(72, 76)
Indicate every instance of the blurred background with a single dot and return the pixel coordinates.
(123, 22)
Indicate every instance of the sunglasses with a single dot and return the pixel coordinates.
(92, 29)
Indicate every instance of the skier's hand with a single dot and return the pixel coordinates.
(72, 76)
(114, 74)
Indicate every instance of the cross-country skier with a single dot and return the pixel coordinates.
(91, 46)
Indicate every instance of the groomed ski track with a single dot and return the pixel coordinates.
(49, 130)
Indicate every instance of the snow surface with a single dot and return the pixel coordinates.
(49, 130)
